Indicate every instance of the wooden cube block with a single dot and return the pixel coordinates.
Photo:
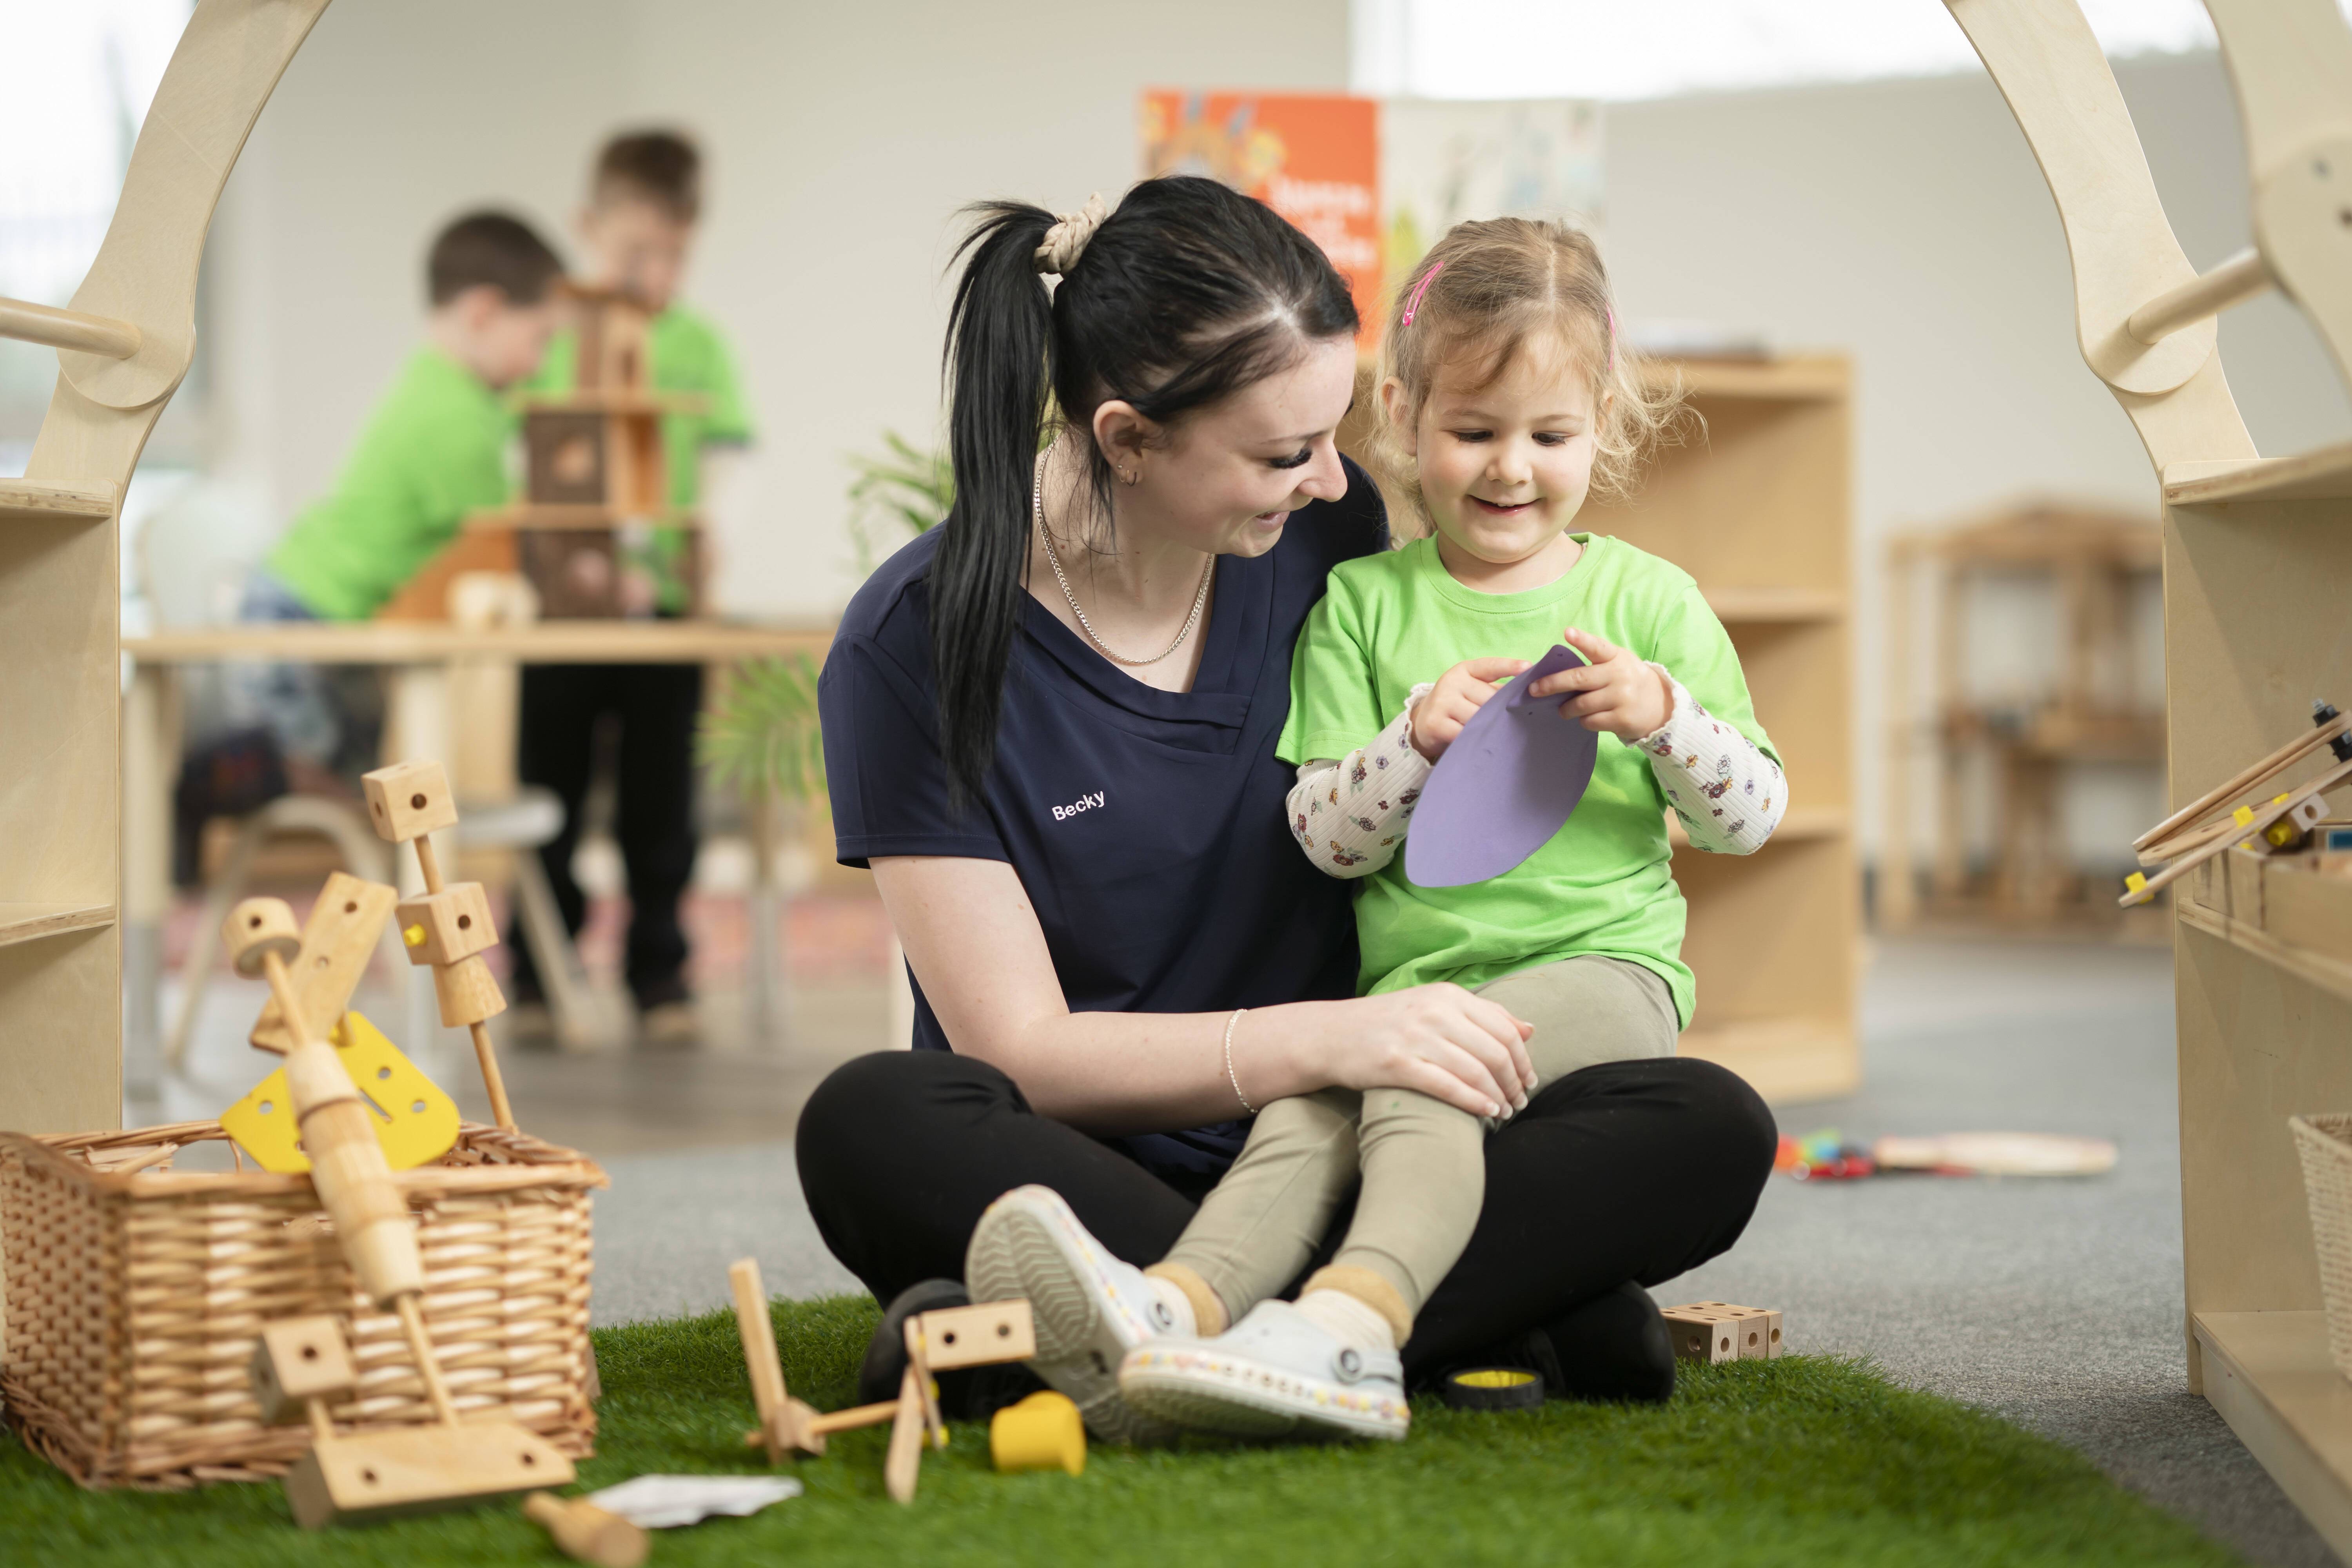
(1756, 1331)
(301, 1359)
(1699, 1335)
(444, 926)
(409, 798)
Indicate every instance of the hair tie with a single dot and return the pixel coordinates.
(1420, 288)
(1066, 240)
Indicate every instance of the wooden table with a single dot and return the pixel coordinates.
(421, 657)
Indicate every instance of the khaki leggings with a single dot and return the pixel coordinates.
(1422, 1162)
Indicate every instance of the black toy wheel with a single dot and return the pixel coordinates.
(1493, 1388)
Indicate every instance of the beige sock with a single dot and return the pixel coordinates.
(1209, 1316)
(1359, 1307)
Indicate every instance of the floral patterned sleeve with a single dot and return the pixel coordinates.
(1350, 815)
(1728, 795)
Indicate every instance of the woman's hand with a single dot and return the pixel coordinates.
(1613, 691)
(1439, 1040)
(1461, 691)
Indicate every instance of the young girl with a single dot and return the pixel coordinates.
(1505, 401)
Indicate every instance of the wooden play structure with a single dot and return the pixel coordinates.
(941, 1341)
(2257, 568)
(1761, 511)
(2018, 747)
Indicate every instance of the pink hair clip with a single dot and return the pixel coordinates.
(1420, 288)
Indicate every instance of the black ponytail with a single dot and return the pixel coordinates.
(1187, 294)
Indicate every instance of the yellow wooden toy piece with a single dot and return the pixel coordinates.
(414, 1121)
(1043, 1432)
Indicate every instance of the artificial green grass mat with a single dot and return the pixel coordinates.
(1807, 1460)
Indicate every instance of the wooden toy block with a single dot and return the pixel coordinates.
(587, 1534)
(258, 931)
(407, 800)
(903, 1465)
(955, 1337)
(1043, 1432)
(1700, 1335)
(787, 1426)
(341, 932)
(447, 926)
(418, 1469)
(468, 992)
(299, 1359)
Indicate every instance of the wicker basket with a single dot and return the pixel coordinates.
(134, 1295)
(2325, 1144)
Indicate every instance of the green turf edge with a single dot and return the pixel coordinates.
(1808, 1459)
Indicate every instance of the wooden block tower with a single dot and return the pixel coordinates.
(596, 477)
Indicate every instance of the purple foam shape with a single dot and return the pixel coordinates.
(1504, 786)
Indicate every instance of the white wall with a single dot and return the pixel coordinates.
(841, 141)
(1905, 223)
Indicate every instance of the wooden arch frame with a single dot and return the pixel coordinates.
(2258, 622)
(122, 347)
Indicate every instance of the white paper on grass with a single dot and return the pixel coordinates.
(664, 1502)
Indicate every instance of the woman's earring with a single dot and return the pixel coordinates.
(1129, 476)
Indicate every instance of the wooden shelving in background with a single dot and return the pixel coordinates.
(1757, 508)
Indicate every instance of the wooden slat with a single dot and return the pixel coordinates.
(2333, 974)
(548, 642)
(30, 500)
(1771, 381)
(32, 921)
(1740, 606)
(2322, 474)
(2270, 1377)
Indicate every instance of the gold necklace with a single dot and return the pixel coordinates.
(1037, 511)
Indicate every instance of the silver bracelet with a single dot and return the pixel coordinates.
(1230, 1078)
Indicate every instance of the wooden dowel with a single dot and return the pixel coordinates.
(855, 1418)
(428, 865)
(31, 324)
(411, 1323)
(2312, 738)
(323, 1426)
(492, 1079)
(2262, 818)
(2240, 279)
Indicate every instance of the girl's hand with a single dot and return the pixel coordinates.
(1614, 691)
(1461, 691)
(1439, 1040)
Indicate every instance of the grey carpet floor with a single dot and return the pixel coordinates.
(2056, 1304)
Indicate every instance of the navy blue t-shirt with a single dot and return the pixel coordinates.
(1148, 826)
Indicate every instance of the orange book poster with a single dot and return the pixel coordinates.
(1314, 158)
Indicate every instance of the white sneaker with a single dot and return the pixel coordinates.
(1090, 1308)
(1272, 1374)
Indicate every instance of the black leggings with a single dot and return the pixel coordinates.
(1629, 1171)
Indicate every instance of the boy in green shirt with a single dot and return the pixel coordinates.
(434, 450)
(636, 230)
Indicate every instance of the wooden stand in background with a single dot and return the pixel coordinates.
(2092, 713)
(2257, 576)
(1759, 509)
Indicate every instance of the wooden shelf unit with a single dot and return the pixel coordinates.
(1757, 508)
(2257, 573)
(122, 347)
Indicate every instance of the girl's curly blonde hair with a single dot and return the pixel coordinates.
(1482, 295)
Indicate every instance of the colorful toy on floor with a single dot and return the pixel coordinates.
(1720, 1331)
(1825, 1157)
(1043, 1432)
(944, 1341)
(586, 1533)
(342, 1480)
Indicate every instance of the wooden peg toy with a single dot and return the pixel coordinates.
(586, 1533)
(336, 941)
(343, 1479)
(1043, 1432)
(449, 927)
(300, 1366)
(787, 1426)
(2208, 825)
